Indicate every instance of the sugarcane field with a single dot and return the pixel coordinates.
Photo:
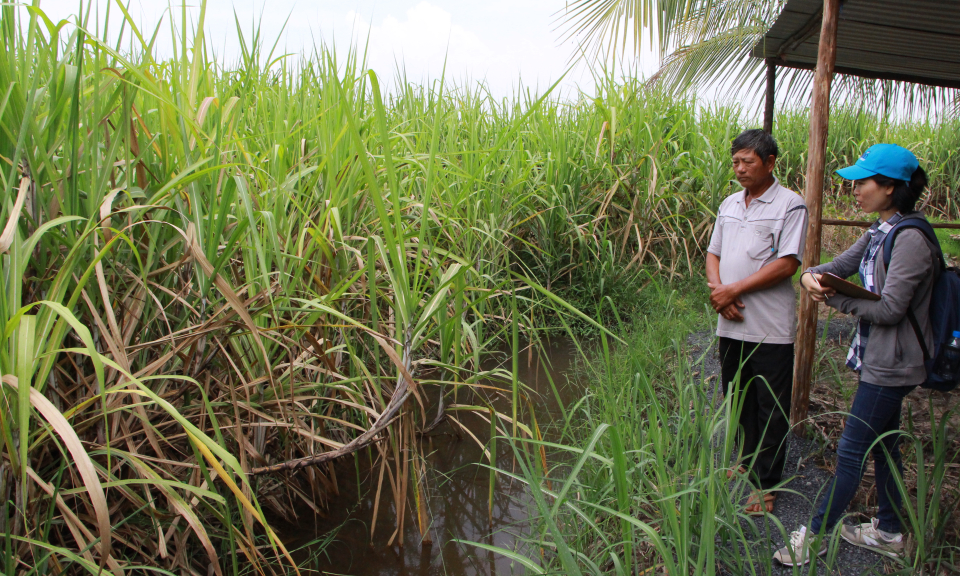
(684, 299)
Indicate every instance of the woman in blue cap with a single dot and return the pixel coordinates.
(888, 181)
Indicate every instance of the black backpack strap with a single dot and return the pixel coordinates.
(916, 330)
(921, 224)
(927, 230)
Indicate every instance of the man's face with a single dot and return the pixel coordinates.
(750, 170)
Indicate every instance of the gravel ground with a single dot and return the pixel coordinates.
(795, 508)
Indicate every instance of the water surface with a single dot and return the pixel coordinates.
(458, 498)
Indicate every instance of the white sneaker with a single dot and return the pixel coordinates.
(868, 536)
(796, 552)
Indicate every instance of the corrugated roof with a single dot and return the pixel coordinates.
(910, 40)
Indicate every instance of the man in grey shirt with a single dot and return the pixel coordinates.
(755, 249)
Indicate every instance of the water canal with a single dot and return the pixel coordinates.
(458, 500)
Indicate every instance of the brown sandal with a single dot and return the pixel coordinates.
(741, 470)
(754, 506)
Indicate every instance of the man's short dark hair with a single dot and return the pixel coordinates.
(761, 143)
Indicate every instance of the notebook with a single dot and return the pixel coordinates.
(846, 288)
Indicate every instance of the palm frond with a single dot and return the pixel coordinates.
(612, 28)
(707, 44)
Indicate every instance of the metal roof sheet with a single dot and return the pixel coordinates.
(910, 40)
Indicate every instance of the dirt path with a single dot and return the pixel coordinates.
(795, 507)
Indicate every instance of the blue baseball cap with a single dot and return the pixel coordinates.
(887, 160)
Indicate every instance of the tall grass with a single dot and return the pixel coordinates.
(639, 484)
(215, 275)
(852, 131)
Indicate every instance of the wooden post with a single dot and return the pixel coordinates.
(771, 89)
(813, 195)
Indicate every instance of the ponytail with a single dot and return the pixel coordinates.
(905, 194)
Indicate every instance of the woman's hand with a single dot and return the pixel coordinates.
(811, 282)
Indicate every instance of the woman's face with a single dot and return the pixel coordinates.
(872, 197)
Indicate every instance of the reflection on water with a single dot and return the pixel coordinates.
(458, 499)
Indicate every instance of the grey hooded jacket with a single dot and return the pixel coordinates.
(893, 356)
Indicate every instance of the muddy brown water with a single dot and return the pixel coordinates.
(458, 497)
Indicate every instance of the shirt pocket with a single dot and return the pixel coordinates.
(760, 241)
(729, 227)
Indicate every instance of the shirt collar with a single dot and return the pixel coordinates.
(886, 226)
(768, 195)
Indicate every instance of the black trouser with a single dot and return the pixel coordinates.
(765, 387)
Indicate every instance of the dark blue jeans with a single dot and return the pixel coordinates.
(875, 411)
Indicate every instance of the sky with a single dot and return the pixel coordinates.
(500, 42)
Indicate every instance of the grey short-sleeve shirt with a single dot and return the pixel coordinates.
(747, 239)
